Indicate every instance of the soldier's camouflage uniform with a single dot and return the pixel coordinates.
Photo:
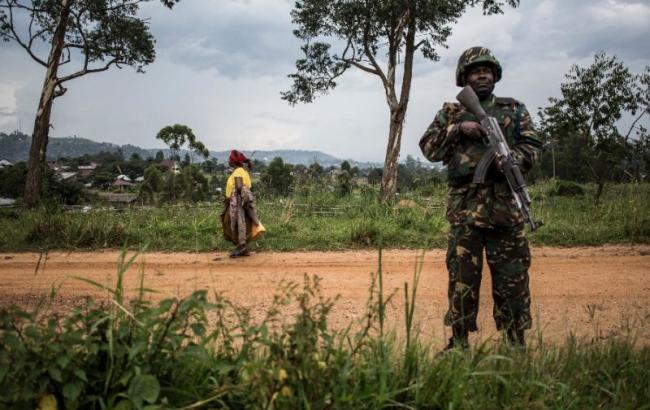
(485, 215)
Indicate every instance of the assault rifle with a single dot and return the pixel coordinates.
(498, 149)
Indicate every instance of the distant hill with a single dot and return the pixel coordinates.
(14, 147)
(290, 156)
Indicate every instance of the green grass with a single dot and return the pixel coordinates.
(327, 222)
(205, 352)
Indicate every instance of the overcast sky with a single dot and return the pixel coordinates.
(221, 65)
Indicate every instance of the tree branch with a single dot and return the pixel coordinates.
(408, 63)
(20, 41)
(634, 124)
(85, 71)
(124, 5)
(60, 91)
(84, 46)
(401, 24)
(390, 92)
(362, 67)
(66, 59)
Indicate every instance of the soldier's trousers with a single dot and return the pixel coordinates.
(508, 257)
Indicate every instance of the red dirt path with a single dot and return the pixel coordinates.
(589, 291)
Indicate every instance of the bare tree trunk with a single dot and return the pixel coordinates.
(599, 191)
(36, 164)
(389, 176)
(397, 115)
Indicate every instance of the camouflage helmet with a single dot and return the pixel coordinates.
(476, 55)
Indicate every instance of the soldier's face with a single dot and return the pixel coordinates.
(481, 79)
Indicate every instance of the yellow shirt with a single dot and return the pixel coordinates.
(237, 173)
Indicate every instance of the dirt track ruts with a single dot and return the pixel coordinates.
(589, 291)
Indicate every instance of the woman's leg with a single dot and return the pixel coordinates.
(248, 202)
(237, 219)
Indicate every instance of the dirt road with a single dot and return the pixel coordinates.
(589, 291)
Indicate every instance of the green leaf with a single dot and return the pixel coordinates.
(71, 391)
(55, 373)
(80, 374)
(137, 348)
(196, 352)
(12, 341)
(198, 329)
(63, 361)
(123, 405)
(144, 388)
(124, 380)
(32, 332)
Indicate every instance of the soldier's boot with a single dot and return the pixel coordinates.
(516, 338)
(459, 339)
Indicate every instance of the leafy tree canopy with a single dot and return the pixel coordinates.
(100, 33)
(364, 31)
(177, 135)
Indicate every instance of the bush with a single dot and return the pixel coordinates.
(106, 356)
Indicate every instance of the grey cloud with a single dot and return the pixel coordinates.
(7, 112)
(579, 29)
(235, 38)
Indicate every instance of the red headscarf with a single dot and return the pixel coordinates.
(238, 159)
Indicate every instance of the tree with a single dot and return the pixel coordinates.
(277, 177)
(100, 33)
(367, 31)
(160, 157)
(344, 183)
(316, 171)
(210, 166)
(374, 176)
(177, 135)
(583, 121)
(193, 184)
(13, 180)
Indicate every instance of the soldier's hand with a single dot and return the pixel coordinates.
(472, 130)
(498, 162)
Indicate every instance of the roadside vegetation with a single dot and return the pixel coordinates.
(329, 221)
(206, 352)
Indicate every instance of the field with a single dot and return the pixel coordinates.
(316, 318)
(325, 221)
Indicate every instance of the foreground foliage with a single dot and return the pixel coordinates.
(201, 352)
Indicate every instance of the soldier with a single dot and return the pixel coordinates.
(483, 215)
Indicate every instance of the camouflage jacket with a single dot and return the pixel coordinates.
(490, 204)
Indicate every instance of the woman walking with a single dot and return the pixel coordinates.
(240, 205)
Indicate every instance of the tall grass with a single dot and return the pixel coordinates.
(205, 352)
(325, 221)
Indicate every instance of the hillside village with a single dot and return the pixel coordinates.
(154, 177)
